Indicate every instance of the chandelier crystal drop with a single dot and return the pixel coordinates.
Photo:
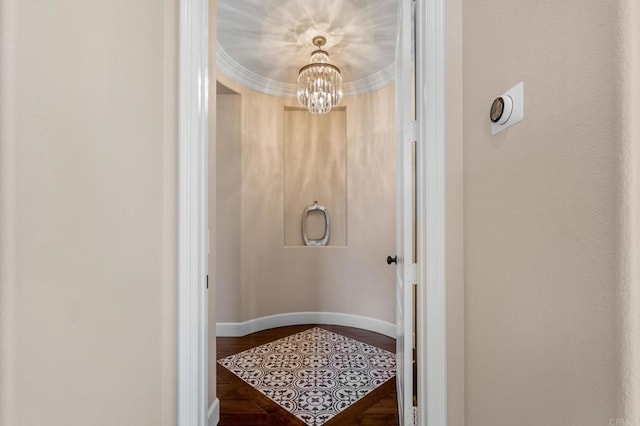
(319, 82)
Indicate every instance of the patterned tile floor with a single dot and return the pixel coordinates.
(314, 374)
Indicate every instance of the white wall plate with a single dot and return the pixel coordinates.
(516, 95)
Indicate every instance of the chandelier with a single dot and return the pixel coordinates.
(319, 82)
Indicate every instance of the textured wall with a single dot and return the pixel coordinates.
(543, 214)
(87, 212)
(353, 279)
(315, 169)
(226, 190)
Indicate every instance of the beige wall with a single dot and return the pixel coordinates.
(455, 215)
(228, 206)
(353, 279)
(544, 215)
(87, 212)
(315, 169)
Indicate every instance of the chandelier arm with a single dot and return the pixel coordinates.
(306, 67)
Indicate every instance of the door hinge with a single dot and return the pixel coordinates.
(415, 416)
(410, 273)
(207, 280)
(410, 132)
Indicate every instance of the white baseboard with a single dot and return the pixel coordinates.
(236, 329)
(213, 416)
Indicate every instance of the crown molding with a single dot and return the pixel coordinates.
(375, 81)
(236, 72)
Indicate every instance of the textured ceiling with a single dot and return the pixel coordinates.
(262, 43)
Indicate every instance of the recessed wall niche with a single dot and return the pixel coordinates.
(315, 169)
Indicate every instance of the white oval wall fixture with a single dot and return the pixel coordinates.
(507, 109)
(327, 225)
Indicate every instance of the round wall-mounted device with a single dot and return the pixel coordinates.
(507, 109)
(501, 109)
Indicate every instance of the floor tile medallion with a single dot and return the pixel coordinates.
(314, 374)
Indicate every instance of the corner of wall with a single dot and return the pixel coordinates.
(629, 233)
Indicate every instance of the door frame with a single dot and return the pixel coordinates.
(193, 245)
(193, 120)
(431, 196)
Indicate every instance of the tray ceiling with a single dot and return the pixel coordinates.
(262, 44)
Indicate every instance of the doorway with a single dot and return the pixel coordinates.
(430, 188)
(287, 159)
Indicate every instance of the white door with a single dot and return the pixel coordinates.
(404, 215)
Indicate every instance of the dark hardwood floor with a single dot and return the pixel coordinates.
(241, 404)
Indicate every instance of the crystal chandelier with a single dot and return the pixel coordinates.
(319, 82)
